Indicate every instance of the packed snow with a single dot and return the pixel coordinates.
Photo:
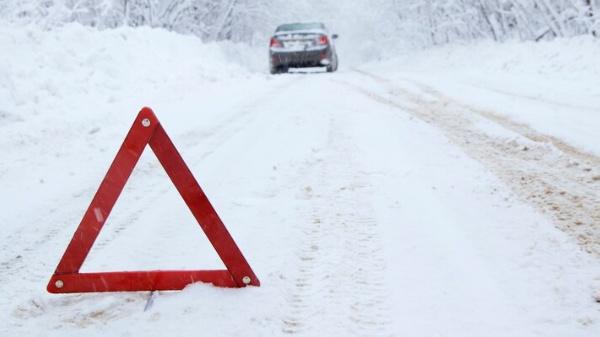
(434, 194)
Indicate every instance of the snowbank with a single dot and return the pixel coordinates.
(70, 61)
(568, 58)
(550, 86)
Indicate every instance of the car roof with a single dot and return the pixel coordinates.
(300, 26)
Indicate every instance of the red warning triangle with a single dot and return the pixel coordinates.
(147, 129)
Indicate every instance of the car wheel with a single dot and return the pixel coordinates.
(279, 70)
(333, 65)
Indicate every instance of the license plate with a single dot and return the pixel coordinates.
(296, 44)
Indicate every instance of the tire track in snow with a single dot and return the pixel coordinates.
(558, 178)
(339, 287)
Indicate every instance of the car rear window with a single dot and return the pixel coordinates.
(300, 26)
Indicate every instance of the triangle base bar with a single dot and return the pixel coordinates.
(137, 280)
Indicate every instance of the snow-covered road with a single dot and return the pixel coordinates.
(361, 217)
(367, 205)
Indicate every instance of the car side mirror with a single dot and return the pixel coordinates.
(334, 36)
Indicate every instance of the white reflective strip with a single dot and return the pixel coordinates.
(98, 214)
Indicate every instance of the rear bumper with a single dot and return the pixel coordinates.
(305, 58)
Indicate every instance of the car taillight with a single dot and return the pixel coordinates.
(275, 43)
(323, 40)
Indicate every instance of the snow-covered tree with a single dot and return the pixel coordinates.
(420, 22)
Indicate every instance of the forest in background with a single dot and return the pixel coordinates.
(410, 22)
